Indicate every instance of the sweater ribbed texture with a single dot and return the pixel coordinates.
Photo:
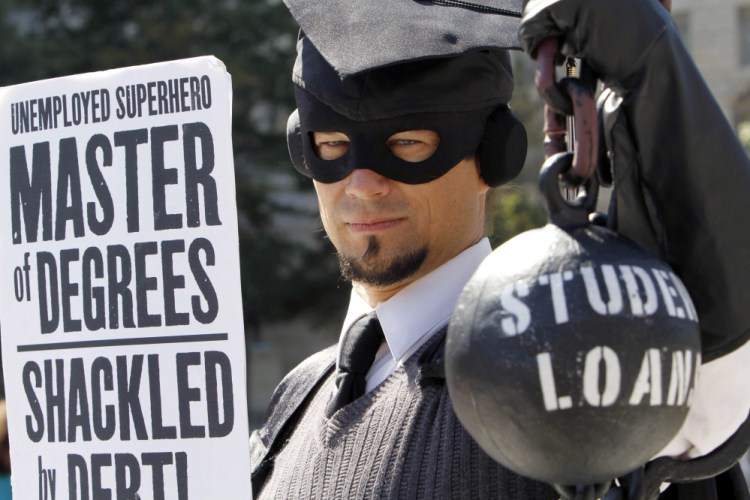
(399, 440)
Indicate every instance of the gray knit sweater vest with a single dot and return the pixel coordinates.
(401, 440)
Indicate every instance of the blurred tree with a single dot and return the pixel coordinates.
(529, 107)
(517, 207)
(512, 210)
(256, 41)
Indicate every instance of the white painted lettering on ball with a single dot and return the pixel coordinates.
(557, 292)
(649, 379)
(519, 317)
(631, 275)
(594, 293)
(679, 390)
(547, 381)
(591, 375)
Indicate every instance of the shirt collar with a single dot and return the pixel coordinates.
(423, 306)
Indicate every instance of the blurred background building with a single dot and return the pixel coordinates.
(717, 34)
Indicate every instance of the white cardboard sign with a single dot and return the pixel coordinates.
(122, 331)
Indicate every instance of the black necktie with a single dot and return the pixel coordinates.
(360, 344)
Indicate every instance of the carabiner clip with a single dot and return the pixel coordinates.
(569, 97)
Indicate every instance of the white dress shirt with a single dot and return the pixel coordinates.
(417, 312)
(721, 400)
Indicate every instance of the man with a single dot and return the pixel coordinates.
(403, 125)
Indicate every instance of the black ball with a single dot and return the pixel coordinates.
(572, 355)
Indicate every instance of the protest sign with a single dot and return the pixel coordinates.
(120, 308)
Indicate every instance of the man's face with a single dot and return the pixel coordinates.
(388, 233)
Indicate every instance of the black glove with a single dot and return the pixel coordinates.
(681, 177)
(614, 36)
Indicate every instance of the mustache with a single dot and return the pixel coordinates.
(349, 207)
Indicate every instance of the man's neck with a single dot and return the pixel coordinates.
(375, 295)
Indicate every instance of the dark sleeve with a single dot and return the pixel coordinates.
(681, 177)
(284, 409)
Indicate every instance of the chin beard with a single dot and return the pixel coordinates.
(398, 269)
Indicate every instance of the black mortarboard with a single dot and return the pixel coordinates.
(352, 54)
(361, 35)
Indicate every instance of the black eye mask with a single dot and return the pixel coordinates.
(460, 133)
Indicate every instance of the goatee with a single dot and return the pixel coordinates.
(398, 269)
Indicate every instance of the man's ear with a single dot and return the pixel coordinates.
(294, 143)
(502, 152)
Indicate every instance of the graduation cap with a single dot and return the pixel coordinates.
(360, 35)
(352, 54)
(379, 59)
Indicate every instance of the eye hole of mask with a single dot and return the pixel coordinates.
(330, 145)
(414, 145)
(411, 145)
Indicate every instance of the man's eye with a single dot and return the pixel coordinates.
(330, 145)
(411, 150)
(331, 150)
(414, 145)
(404, 142)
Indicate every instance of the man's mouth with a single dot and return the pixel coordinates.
(373, 225)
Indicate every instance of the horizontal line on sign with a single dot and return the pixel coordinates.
(84, 344)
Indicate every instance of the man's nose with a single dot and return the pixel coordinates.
(367, 184)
